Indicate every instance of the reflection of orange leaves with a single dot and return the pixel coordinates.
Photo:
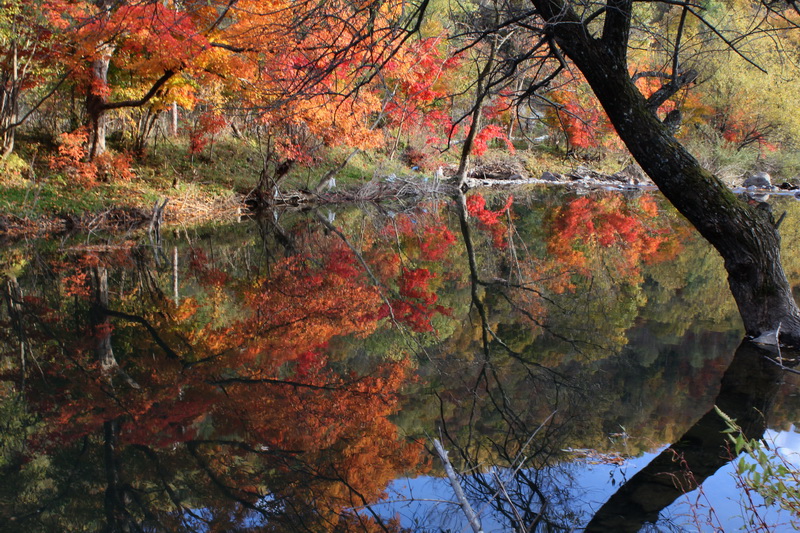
(436, 242)
(476, 207)
(421, 236)
(608, 222)
(416, 307)
(367, 524)
(648, 206)
(207, 275)
(341, 429)
(417, 315)
(76, 280)
(306, 303)
(77, 284)
(414, 284)
(103, 330)
(186, 309)
(224, 382)
(386, 263)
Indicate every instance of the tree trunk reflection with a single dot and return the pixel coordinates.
(746, 394)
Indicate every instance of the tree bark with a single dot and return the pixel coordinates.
(96, 99)
(173, 127)
(101, 322)
(472, 518)
(745, 236)
(9, 102)
(481, 91)
(117, 516)
(13, 295)
(97, 103)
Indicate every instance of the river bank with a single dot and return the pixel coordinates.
(115, 208)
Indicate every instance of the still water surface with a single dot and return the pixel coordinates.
(290, 373)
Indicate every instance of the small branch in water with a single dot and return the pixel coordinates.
(780, 220)
(474, 522)
(781, 365)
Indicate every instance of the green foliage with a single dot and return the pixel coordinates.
(726, 160)
(766, 471)
(13, 170)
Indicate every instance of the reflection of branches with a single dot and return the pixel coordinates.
(472, 518)
(381, 287)
(466, 233)
(162, 475)
(517, 496)
(521, 496)
(363, 502)
(64, 493)
(746, 394)
(118, 517)
(274, 381)
(572, 342)
(226, 490)
(170, 353)
(102, 384)
(476, 282)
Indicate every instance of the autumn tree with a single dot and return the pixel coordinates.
(29, 41)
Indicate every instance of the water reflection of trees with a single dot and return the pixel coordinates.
(218, 411)
(514, 452)
(746, 394)
(269, 385)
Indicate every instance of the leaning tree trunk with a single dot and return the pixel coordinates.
(746, 237)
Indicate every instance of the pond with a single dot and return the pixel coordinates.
(293, 372)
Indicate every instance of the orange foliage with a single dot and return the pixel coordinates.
(476, 207)
(261, 379)
(416, 85)
(70, 160)
(207, 126)
(492, 131)
(609, 222)
(580, 117)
